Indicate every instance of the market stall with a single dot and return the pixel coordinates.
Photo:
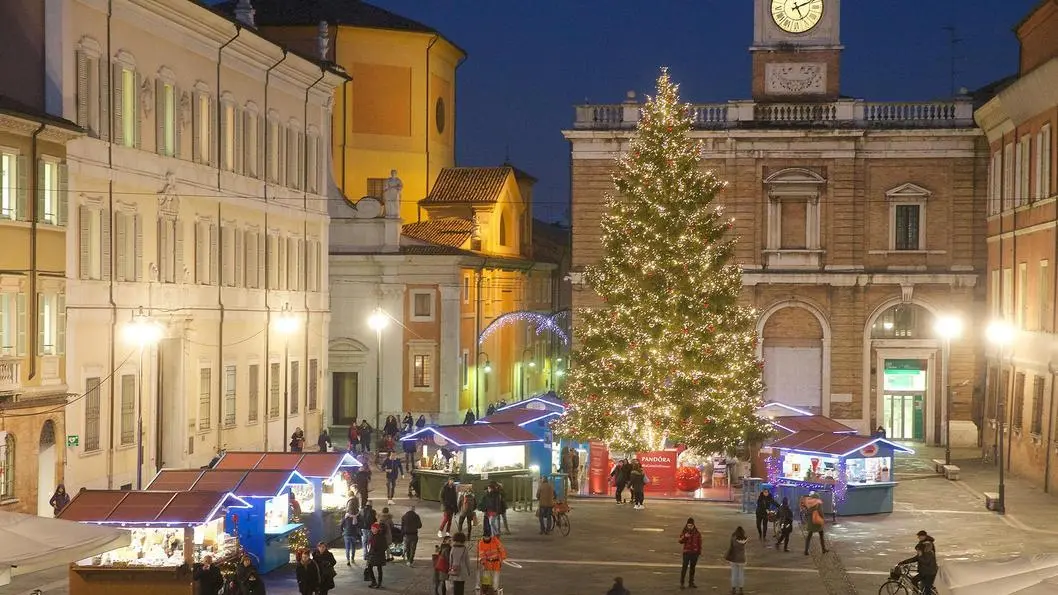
(29, 543)
(856, 470)
(543, 402)
(537, 421)
(323, 500)
(265, 526)
(784, 425)
(476, 454)
(169, 531)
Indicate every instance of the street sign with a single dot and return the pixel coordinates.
(72, 441)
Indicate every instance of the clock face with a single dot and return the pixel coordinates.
(796, 16)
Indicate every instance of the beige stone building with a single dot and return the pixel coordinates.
(198, 197)
(858, 224)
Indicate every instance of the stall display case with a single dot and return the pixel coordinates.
(481, 453)
(537, 419)
(856, 470)
(169, 532)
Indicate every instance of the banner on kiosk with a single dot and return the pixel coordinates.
(598, 468)
(660, 467)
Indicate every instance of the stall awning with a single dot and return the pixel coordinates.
(31, 543)
(244, 484)
(149, 509)
(825, 443)
(810, 423)
(309, 464)
(476, 435)
(542, 402)
(776, 409)
(519, 417)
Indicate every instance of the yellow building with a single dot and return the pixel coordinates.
(33, 217)
(398, 112)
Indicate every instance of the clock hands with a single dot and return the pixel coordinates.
(798, 7)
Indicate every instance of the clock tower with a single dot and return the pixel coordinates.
(796, 50)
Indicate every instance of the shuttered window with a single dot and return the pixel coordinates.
(229, 395)
(254, 401)
(128, 409)
(205, 393)
(273, 389)
(52, 182)
(14, 186)
(91, 414)
(314, 369)
(295, 397)
(128, 230)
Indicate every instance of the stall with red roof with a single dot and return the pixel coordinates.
(471, 453)
(169, 530)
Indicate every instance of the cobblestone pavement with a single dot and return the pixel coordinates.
(608, 540)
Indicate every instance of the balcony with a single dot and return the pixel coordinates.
(844, 113)
(10, 374)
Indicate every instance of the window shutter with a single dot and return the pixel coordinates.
(177, 123)
(251, 260)
(320, 172)
(237, 152)
(62, 197)
(281, 173)
(223, 139)
(122, 250)
(60, 324)
(85, 239)
(196, 127)
(104, 100)
(159, 115)
(260, 256)
(137, 221)
(300, 164)
(211, 142)
(21, 324)
(119, 128)
(134, 110)
(163, 254)
(270, 257)
(41, 196)
(227, 251)
(239, 256)
(105, 264)
(281, 260)
(40, 324)
(178, 251)
(82, 89)
(261, 147)
(213, 260)
(201, 275)
(22, 188)
(310, 274)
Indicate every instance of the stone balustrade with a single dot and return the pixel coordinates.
(10, 374)
(956, 113)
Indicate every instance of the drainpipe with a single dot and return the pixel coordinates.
(35, 173)
(113, 307)
(477, 339)
(426, 137)
(1050, 433)
(220, 255)
(305, 242)
(267, 267)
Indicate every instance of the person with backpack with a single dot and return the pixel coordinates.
(459, 564)
(350, 534)
(691, 539)
(736, 555)
(813, 510)
(468, 505)
(440, 566)
(785, 518)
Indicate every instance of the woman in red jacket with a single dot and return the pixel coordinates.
(692, 548)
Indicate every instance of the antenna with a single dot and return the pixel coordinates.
(953, 42)
(507, 153)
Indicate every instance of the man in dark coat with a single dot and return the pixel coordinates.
(449, 506)
(620, 479)
(210, 580)
(926, 558)
(410, 524)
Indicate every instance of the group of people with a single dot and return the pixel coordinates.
(629, 474)
(463, 506)
(246, 581)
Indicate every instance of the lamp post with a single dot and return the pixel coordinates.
(1000, 334)
(286, 324)
(948, 327)
(484, 369)
(145, 332)
(378, 321)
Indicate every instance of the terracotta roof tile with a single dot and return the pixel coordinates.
(830, 444)
(458, 185)
(177, 480)
(445, 231)
(812, 423)
(239, 460)
(478, 434)
(520, 416)
(429, 250)
(154, 507)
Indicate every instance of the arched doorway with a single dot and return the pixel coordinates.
(904, 352)
(46, 460)
(793, 351)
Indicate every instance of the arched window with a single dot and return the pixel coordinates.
(7, 474)
(903, 321)
(503, 229)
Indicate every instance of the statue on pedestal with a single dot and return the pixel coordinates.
(391, 190)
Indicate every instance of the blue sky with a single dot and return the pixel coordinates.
(530, 62)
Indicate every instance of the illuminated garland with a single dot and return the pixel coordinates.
(542, 322)
(840, 487)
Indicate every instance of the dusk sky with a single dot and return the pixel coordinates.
(530, 62)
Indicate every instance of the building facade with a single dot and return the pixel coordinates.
(1022, 251)
(198, 203)
(857, 225)
(33, 225)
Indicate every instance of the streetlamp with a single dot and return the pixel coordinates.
(286, 324)
(146, 332)
(948, 327)
(485, 369)
(1000, 334)
(378, 321)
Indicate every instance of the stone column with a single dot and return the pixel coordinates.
(393, 365)
(450, 351)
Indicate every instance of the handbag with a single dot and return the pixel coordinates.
(368, 575)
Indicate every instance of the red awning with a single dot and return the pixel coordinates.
(242, 483)
(309, 464)
(477, 434)
(825, 443)
(152, 508)
(811, 423)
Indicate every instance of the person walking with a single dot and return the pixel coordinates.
(785, 518)
(637, 479)
(410, 524)
(459, 564)
(574, 470)
(926, 559)
(736, 555)
(765, 502)
(324, 442)
(361, 481)
(367, 518)
(59, 500)
(420, 423)
(409, 447)
(307, 574)
(620, 479)
(545, 502)
(503, 507)
(491, 555)
(470, 418)
(325, 561)
(350, 533)
(386, 521)
(376, 556)
(393, 470)
(618, 587)
(248, 578)
(208, 576)
(691, 539)
(390, 428)
(365, 436)
(492, 504)
(354, 438)
(407, 423)
(440, 566)
(468, 511)
(813, 508)
(449, 506)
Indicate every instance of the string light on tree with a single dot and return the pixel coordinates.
(671, 355)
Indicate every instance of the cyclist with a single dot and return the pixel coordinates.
(926, 558)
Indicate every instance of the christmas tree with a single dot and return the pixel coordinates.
(671, 355)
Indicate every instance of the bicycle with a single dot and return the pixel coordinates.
(900, 583)
(560, 514)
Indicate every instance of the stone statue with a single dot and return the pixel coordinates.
(391, 189)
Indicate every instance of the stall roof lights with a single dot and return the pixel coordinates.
(778, 425)
(785, 406)
(522, 417)
(843, 455)
(478, 434)
(545, 399)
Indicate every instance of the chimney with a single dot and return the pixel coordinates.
(324, 40)
(244, 13)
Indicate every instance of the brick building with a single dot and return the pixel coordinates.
(856, 222)
(1023, 249)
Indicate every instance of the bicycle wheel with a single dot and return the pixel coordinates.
(892, 587)
(563, 523)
